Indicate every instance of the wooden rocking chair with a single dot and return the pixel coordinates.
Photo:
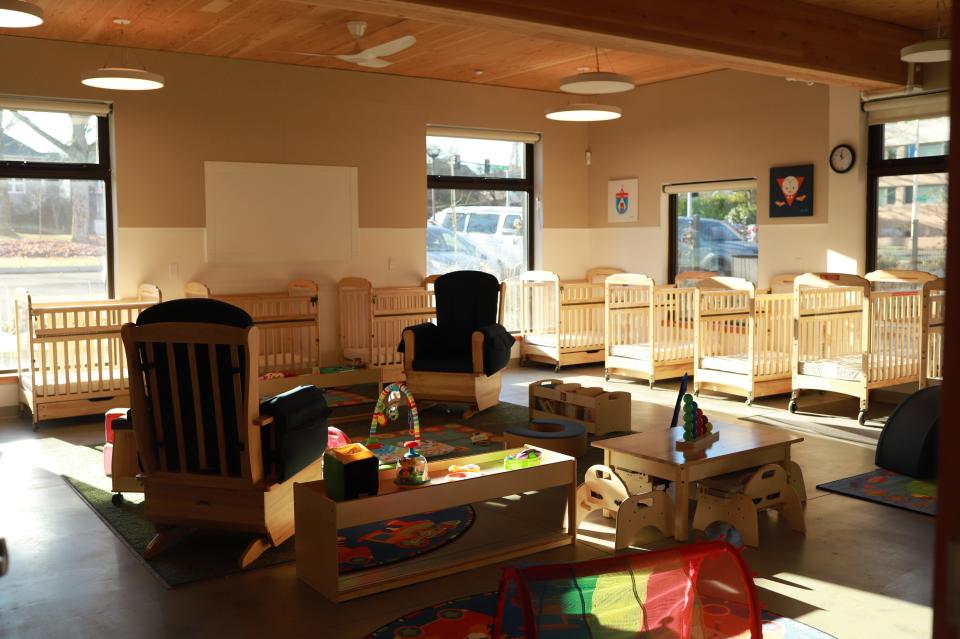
(193, 389)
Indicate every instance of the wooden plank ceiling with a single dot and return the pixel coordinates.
(275, 30)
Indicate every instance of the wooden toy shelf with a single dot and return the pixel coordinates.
(318, 518)
(597, 410)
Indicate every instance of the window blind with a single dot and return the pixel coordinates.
(742, 184)
(62, 106)
(911, 107)
(483, 134)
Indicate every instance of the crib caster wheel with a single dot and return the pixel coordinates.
(749, 401)
(792, 406)
(117, 499)
(606, 375)
(650, 382)
(862, 417)
(556, 369)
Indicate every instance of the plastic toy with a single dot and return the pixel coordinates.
(463, 472)
(412, 467)
(524, 459)
(698, 432)
(388, 407)
(480, 439)
(350, 471)
(336, 437)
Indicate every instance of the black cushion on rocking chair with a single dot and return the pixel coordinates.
(467, 301)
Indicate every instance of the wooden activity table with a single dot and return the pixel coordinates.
(741, 446)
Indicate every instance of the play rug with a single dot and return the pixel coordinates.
(887, 487)
(472, 617)
(337, 398)
(209, 554)
(437, 442)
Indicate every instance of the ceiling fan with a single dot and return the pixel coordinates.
(372, 57)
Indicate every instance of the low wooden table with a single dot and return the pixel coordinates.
(318, 518)
(740, 447)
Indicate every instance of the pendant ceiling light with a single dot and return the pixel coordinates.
(122, 77)
(935, 50)
(584, 112)
(17, 14)
(591, 83)
(597, 82)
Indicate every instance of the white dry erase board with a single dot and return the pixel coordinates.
(258, 213)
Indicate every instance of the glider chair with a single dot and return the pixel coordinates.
(195, 410)
(459, 358)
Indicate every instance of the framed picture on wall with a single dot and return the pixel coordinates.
(791, 191)
(622, 200)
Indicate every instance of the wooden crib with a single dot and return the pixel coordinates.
(70, 358)
(649, 329)
(852, 340)
(933, 290)
(562, 322)
(743, 340)
(783, 283)
(288, 323)
(372, 321)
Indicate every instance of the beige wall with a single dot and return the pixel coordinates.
(730, 125)
(219, 109)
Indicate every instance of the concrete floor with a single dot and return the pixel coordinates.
(862, 569)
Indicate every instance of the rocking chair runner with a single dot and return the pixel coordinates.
(459, 358)
(193, 389)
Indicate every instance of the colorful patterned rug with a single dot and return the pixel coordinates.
(473, 616)
(387, 542)
(889, 488)
(337, 398)
(437, 442)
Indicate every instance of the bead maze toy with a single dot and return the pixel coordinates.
(698, 432)
(412, 467)
(597, 410)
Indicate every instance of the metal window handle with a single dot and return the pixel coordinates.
(4, 558)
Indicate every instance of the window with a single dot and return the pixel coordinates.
(907, 196)
(478, 205)
(55, 229)
(714, 230)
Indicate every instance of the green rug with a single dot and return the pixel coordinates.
(210, 554)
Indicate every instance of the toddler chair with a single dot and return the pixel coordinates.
(193, 387)
(603, 490)
(459, 358)
(737, 498)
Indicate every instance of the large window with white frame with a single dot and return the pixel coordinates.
(479, 194)
(55, 209)
(907, 195)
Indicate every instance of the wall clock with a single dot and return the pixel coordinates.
(842, 158)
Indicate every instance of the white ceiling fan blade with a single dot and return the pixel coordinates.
(374, 63)
(389, 48)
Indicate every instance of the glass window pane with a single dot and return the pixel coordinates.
(53, 242)
(916, 138)
(912, 231)
(42, 136)
(717, 231)
(476, 244)
(468, 157)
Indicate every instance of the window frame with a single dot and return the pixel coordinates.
(483, 183)
(879, 167)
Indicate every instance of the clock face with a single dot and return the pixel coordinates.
(842, 158)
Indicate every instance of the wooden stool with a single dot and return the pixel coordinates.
(603, 490)
(559, 435)
(729, 499)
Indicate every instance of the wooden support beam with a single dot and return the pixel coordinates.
(774, 37)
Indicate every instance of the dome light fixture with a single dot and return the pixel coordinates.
(585, 112)
(937, 50)
(926, 51)
(596, 83)
(122, 77)
(17, 14)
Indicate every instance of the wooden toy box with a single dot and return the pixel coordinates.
(599, 411)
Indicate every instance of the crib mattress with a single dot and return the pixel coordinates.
(845, 367)
(549, 340)
(739, 363)
(632, 351)
(77, 382)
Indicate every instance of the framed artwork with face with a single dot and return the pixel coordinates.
(791, 191)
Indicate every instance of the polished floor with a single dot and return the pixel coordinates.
(862, 569)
